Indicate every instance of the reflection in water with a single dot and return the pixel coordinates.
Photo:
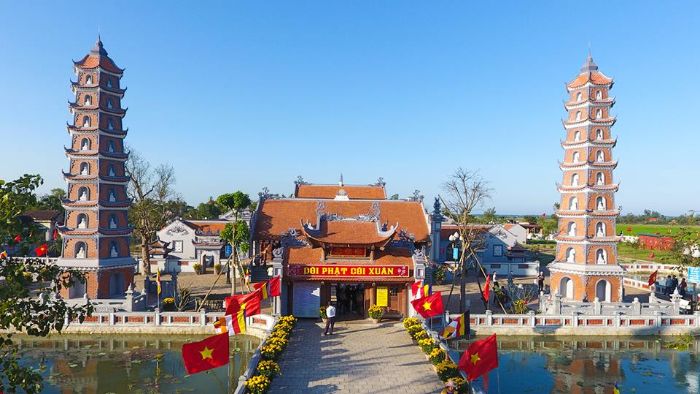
(129, 364)
(592, 365)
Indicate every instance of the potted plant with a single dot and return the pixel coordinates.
(197, 268)
(169, 304)
(322, 314)
(217, 268)
(376, 313)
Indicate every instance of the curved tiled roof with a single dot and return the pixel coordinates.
(94, 61)
(595, 77)
(277, 216)
(348, 232)
(353, 192)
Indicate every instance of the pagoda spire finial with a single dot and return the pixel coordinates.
(99, 48)
(589, 65)
(341, 180)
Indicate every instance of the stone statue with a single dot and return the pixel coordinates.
(571, 256)
(113, 252)
(601, 258)
(86, 145)
(112, 223)
(112, 197)
(83, 195)
(111, 171)
(82, 222)
(81, 252)
(84, 170)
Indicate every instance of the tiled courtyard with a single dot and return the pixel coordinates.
(357, 358)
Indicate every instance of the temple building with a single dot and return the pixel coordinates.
(342, 243)
(96, 233)
(586, 265)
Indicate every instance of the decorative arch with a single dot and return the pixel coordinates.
(603, 290)
(600, 178)
(578, 115)
(112, 221)
(83, 221)
(570, 255)
(600, 229)
(88, 99)
(88, 79)
(577, 136)
(84, 168)
(573, 203)
(576, 157)
(600, 203)
(83, 194)
(601, 256)
(86, 121)
(566, 288)
(81, 250)
(599, 134)
(85, 144)
(571, 229)
(574, 180)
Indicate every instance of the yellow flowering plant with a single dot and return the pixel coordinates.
(427, 345)
(422, 334)
(258, 384)
(412, 330)
(375, 312)
(168, 300)
(410, 321)
(436, 356)
(281, 342)
(447, 370)
(270, 351)
(268, 368)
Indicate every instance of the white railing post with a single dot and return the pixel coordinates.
(489, 317)
(111, 318)
(203, 317)
(157, 315)
(531, 317)
(574, 319)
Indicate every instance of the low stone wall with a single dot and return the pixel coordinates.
(575, 324)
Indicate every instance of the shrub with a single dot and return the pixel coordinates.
(279, 334)
(270, 351)
(375, 312)
(322, 312)
(412, 330)
(427, 345)
(197, 268)
(284, 326)
(281, 342)
(447, 370)
(410, 321)
(258, 384)
(422, 334)
(437, 356)
(268, 368)
(217, 268)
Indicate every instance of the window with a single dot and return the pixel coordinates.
(110, 146)
(598, 95)
(112, 196)
(574, 180)
(498, 250)
(601, 257)
(83, 194)
(578, 115)
(109, 82)
(599, 134)
(598, 113)
(110, 170)
(600, 157)
(600, 178)
(88, 80)
(573, 204)
(88, 100)
(109, 103)
(600, 229)
(577, 136)
(570, 255)
(571, 229)
(577, 157)
(578, 96)
(85, 144)
(113, 250)
(82, 221)
(110, 124)
(177, 246)
(80, 250)
(86, 121)
(600, 203)
(84, 168)
(112, 221)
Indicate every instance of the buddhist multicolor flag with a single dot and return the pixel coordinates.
(262, 286)
(232, 324)
(419, 290)
(429, 306)
(41, 250)
(204, 355)
(275, 286)
(3, 254)
(479, 358)
(457, 328)
(158, 281)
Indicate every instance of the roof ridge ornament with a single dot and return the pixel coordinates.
(99, 48)
(589, 65)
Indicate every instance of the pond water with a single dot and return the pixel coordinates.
(129, 364)
(593, 365)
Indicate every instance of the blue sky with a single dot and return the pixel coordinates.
(242, 95)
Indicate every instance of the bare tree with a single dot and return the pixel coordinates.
(464, 191)
(150, 190)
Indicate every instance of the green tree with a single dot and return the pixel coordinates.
(53, 200)
(235, 202)
(686, 248)
(208, 210)
(489, 216)
(16, 197)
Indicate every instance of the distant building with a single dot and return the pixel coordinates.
(655, 242)
(585, 265)
(46, 221)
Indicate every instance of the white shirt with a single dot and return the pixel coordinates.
(330, 311)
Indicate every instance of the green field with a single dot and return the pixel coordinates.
(661, 229)
(625, 251)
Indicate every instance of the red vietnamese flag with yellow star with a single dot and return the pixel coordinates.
(429, 306)
(204, 355)
(479, 358)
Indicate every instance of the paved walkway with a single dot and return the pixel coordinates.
(357, 358)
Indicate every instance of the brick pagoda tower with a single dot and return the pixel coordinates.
(96, 232)
(586, 258)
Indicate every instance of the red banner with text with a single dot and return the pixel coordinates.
(341, 271)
